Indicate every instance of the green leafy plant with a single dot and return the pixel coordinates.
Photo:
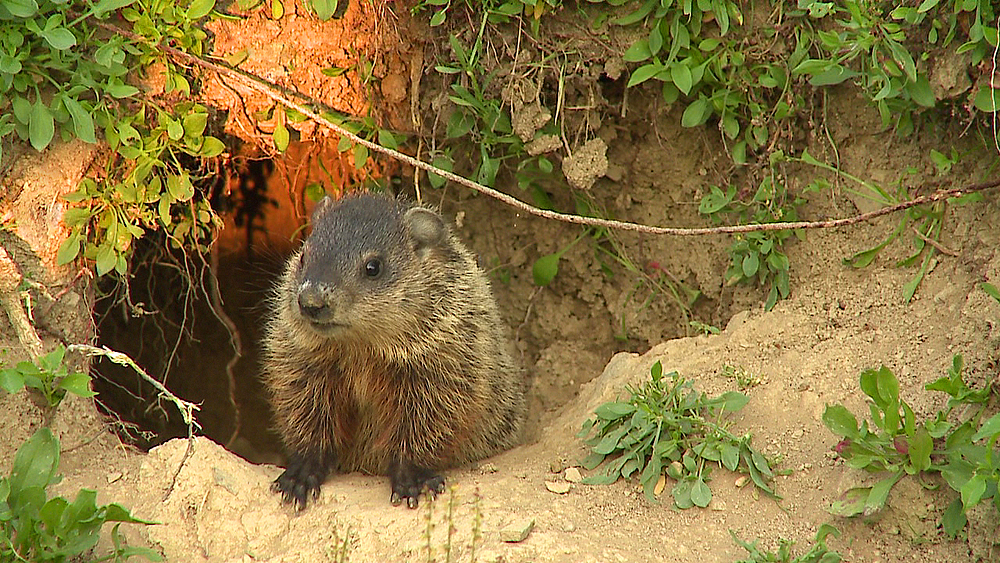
(63, 71)
(963, 452)
(757, 257)
(39, 529)
(667, 426)
(818, 553)
(48, 375)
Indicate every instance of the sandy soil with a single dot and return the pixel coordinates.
(807, 352)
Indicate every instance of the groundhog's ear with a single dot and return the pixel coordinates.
(426, 229)
(322, 206)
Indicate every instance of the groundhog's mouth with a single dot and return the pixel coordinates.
(328, 327)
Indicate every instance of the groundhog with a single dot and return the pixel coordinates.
(385, 352)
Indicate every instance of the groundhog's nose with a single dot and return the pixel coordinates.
(312, 305)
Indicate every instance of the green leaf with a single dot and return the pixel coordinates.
(20, 8)
(921, 93)
(972, 491)
(879, 493)
(105, 259)
(701, 494)
(11, 381)
(59, 38)
(387, 139)
(614, 411)
(681, 76)
(438, 18)
(638, 52)
(750, 264)
(200, 8)
(545, 269)
(987, 99)
(696, 113)
(851, 503)
(644, 73)
(78, 384)
(360, 156)
(281, 137)
(35, 464)
(211, 147)
(888, 386)
(840, 421)
(920, 450)
(42, 126)
(69, 249)
(954, 520)
(989, 429)
(83, 123)
(733, 401)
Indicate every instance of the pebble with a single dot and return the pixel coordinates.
(742, 481)
(573, 475)
(558, 487)
(517, 530)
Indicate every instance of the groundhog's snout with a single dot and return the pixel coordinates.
(313, 304)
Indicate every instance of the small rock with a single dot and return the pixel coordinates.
(558, 487)
(573, 475)
(487, 468)
(742, 481)
(518, 530)
(557, 465)
(568, 526)
(116, 476)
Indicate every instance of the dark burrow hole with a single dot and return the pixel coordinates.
(169, 321)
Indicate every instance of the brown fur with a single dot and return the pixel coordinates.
(405, 374)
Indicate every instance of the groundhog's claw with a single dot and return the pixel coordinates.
(409, 480)
(300, 481)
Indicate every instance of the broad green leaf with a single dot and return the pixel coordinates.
(35, 464)
(59, 38)
(42, 126)
(750, 264)
(696, 113)
(644, 73)
(954, 520)
(638, 52)
(545, 269)
(78, 384)
(989, 429)
(211, 147)
(840, 421)
(701, 494)
(613, 411)
(20, 8)
(281, 137)
(106, 259)
(987, 99)
(972, 491)
(11, 381)
(921, 447)
(83, 123)
(681, 76)
(200, 8)
(851, 503)
(387, 139)
(879, 493)
(69, 249)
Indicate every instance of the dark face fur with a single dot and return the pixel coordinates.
(350, 266)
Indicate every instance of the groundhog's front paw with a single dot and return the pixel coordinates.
(409, 480)
(301, 480)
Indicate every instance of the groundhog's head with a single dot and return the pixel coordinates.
(367, 270)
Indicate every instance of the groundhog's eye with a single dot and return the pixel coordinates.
(373, 267)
